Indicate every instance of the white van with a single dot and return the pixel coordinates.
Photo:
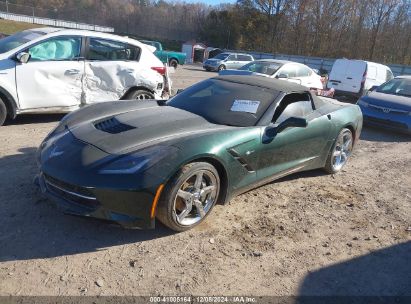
(356, 77)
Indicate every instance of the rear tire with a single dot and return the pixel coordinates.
(340, 152)
(189, 196)
(173, 63)
(3, 112)
(139, 95)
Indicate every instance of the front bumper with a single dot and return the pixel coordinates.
(209, 67)
(126, 208)
(394, 122)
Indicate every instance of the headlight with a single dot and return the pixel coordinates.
(138, 161)
(362, 103)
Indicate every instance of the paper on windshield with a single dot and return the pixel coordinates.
(248, 106)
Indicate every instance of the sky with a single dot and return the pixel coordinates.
(211, 2)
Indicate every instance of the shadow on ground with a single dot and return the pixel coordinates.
(381, 135)
(384, 272)
(33, 228)
(35, 119)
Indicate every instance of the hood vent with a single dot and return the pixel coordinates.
(112, 126)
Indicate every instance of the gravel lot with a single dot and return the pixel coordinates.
(307, 234)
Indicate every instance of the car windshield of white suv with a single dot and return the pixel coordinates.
(14, 41)
(398, 86)
(267, 68)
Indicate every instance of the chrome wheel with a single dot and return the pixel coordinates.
(342, 150)
(195, 197)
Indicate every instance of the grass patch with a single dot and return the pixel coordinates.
(9, 27)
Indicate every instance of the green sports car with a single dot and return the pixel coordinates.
(132, 162)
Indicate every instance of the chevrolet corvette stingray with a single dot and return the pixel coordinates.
(134, 162)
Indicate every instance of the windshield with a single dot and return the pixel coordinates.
(221, 56)
(397, 86)
(225, 103)
(267, 68)
(14, 41)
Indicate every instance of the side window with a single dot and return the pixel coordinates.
(243, 58)
(293, 105)
(231, 58)
(389, 76)
(58, 48)
(108, 50)
(289, 70)
(303, 71)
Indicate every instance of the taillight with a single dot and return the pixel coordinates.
(160, 70)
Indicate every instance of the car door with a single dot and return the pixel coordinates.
(308, 77)
(294, 148)
(231, 62)
(288, 72)
(53, 75)
(111, 68)
(243, 60)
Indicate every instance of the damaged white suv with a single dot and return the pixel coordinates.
(51, 70)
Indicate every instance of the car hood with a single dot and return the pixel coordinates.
(240, 72)
(389, 101)
(123, 127)
(213, 60)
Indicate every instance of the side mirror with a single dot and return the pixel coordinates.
(282, 76)
(373, 88)
(23, 57)
(296, 122)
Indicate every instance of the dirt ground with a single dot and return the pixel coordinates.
(308, 234)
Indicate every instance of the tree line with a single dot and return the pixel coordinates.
(377, 30)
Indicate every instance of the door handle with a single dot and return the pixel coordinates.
(130, 71)
(72, 72)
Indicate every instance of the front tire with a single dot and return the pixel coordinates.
(140, 95)
(221, 67)
(3, 112)
(340, 152)
(189, 196)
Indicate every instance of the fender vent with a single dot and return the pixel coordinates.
(112, 126)
(241, 160)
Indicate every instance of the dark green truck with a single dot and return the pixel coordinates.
(172, 58)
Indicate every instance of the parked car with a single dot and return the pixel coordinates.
(172, 58)
(51, 70)
(389, 105)
(225, 61)
(131, 162)
(355, 77)
(280, 69)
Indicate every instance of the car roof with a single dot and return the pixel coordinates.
(235, 53)
(277, 61)
(265, 82)
(63, 31)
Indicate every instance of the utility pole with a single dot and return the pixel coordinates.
(7, 6)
